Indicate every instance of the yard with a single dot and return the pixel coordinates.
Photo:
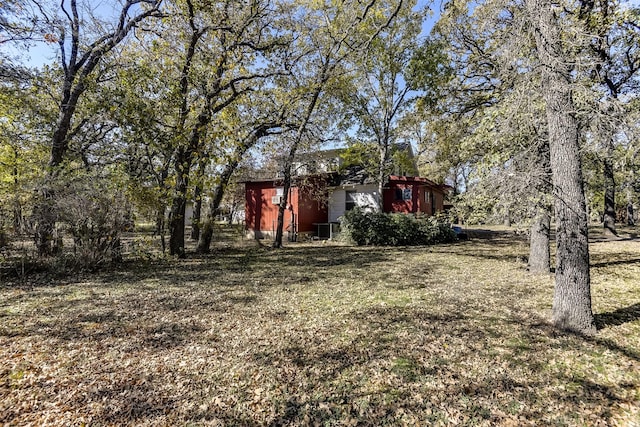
(322, 334)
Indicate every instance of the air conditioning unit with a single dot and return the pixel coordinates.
(276, 200)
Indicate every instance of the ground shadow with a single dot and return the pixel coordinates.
(415, 365)
(617, 262)
(618, 317)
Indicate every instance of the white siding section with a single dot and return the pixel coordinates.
(336, 204)
(366, 197)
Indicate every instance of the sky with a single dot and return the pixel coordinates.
(42, 53)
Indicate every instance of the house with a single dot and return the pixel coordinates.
(324, 189)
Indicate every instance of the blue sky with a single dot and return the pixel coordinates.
(43, 53)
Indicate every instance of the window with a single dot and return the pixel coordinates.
(403, 194)
(350, 200)
(279, 191)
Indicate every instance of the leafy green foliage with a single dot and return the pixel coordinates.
(359, 154)
(428, 71)
(383, 229)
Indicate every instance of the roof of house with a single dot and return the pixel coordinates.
(352, 175)
(346, 176)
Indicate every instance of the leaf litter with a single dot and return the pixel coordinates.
(323, 335)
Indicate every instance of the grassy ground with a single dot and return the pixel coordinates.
(321, 334)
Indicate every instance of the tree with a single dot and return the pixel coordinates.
(81, 52)
(379, 92)
(326, 37)
(615, 48)
(484, 126)
(572, 296)
(251, 134)
(197, 69)
(24, 111)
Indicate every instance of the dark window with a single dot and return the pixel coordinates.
(399, 195)
(350, 200)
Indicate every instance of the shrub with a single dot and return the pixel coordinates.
(382, 229)
(94, 213)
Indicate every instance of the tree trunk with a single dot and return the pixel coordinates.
(17, 206)
(539, 243)
(572, 296)
(197, 213)
(506, 218)
(206, 235)
(382, 168)
(17, 217)
(204, 243)
(539, 248)
(630, 213)
(179, 204)
(45, 214)
(609, 217)
(197, 203)
(45, 209)
(277, 241)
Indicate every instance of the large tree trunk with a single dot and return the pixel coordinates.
(46, 218)
(609, 217)
(45, 206)
(572, 296)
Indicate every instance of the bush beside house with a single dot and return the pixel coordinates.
(385, 229)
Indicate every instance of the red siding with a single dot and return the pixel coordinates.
(262, 215)
(417, 203)
(310, 211)
(308, 205)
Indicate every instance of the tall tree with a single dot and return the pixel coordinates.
(615, 48)
(572, 296)
(327, 35)
(25, 112)
(487, 119)
(379, 92)
(81, 51)
(208, 60)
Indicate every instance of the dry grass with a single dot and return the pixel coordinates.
(322, 335)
